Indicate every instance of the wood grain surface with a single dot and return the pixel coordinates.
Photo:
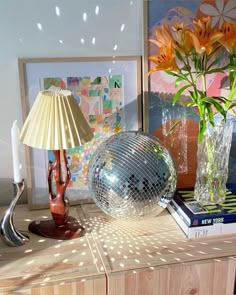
(149, 257)
(208, 278)
(48, 265)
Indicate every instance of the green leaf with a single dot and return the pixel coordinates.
(213, 51)
(232, 68)
(218, 70)
(210, 115)
(232, 94)
(172, 127)
(179, 92)
(202, 129)
(217, 105)
(172, 73)
(232, 105)
(186, 68)
(179, 80)
(220, 98)
(202, 93)
(212, 64)
(198, 64)
(193, 95)
(179, 56)
(190, 104)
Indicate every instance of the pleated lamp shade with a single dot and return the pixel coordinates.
(55, 122)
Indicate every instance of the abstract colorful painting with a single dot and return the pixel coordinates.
(182, 142)
(101, 100)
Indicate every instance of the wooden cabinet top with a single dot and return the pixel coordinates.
(109, 246)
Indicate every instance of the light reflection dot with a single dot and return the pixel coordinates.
(97, 10)
(57, 10)
(40, 27)
(84, 16)
(47, 279)
(26, 276)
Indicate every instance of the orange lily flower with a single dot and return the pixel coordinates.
(165, 60)
(229, 37)
(183, 42)
(203, 37)
(163, 36)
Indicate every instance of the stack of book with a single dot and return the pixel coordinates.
(201, 221)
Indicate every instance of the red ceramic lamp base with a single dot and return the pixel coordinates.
(48, 229)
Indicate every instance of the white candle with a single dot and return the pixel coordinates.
(15, 142)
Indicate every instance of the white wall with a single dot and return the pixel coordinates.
(20, 37)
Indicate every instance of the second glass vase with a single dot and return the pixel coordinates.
(212, 159)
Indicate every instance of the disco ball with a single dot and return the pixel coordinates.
(132, 175)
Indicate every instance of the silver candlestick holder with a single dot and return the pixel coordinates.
(8, 233)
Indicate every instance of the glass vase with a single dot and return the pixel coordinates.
(212, 159)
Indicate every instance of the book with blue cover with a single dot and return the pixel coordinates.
(195, 214)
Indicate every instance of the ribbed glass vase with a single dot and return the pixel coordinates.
(212, 159)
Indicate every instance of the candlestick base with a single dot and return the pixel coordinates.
(47, 228)
(8, 233)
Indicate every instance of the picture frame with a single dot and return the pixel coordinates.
(32, 71)
(159, 113)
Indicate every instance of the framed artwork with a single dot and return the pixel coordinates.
(159, 114)
(108, 91)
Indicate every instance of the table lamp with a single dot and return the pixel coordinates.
(56, 123)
